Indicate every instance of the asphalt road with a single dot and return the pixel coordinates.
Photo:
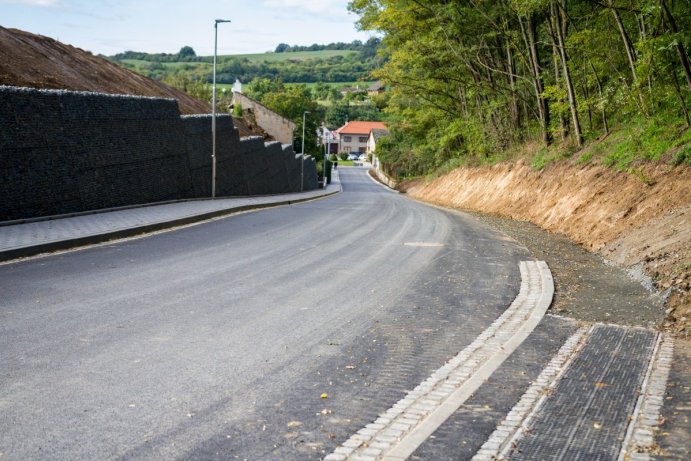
(217, 341)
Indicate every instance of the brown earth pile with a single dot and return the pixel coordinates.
(641, 222)
(41, 62)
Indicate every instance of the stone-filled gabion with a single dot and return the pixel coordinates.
(67, 151)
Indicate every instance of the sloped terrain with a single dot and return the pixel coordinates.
(41, 62)
(642, 226)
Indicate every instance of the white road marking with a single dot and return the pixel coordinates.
(396, 434)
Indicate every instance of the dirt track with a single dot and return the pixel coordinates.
(642, 226)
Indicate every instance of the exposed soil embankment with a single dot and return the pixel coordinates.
(641, 222)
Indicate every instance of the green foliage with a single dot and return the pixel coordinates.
(339, 62)
(646, 139)
(464, 76)
(342, 155)
(237, 110)
(186, 52)
(683, 155)
(291, 102)
(193, 86)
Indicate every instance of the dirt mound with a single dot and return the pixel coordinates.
(41, 62)
(641, 222)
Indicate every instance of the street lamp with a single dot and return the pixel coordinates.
(302, 170)
(326, 152)
(213, 113)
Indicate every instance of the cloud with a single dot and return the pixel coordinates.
(33, 2)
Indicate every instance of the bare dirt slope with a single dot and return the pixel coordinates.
(643, 225)
(41, 62)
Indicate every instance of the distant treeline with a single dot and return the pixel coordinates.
(348, 67)
(186, 54)
(355, 45)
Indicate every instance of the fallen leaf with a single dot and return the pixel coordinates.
(294, 424)
(597, 425)
(325, 395)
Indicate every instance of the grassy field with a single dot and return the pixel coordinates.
(255, 57)
(297, 55)
(363, 85)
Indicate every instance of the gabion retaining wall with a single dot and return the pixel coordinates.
(65, 151)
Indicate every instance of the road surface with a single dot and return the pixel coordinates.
(273, 334)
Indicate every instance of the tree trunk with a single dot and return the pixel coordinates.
(563, 124)
(677, 90)
(530, 37)
(627, 41)
(511, 71)
(681, 52)
(602, 99)
(559, 23)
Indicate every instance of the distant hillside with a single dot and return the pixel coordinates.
(41, 62)
(291, 66)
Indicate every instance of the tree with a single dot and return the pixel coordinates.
(186, 52)
(291, 102)
(471, 78)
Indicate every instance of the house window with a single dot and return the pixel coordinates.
(347, 138)
(346, 149)
(362, 139)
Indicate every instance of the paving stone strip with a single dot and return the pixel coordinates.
(511, 429)
(639, 441)
(585, 416)
(401, 429)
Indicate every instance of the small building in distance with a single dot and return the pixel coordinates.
(374, 136)
(353, 136)
(375, 89)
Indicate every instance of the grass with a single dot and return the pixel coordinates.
(363, 85)
(295, 56)
(647, 139)
(255, 57)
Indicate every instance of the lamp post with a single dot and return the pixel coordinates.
(213, 113)
(326, 152)
(302, 170)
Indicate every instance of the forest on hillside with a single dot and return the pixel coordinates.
(291, 64)
(473, 79)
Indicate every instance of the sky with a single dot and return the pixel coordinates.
(113, 26)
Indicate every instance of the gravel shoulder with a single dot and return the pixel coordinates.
(587, 287)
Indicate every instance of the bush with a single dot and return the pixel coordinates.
(343, 156)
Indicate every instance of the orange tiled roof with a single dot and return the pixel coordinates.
(357, 127)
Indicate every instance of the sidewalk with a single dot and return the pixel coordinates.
(26, 238)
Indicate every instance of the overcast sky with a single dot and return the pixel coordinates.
(113, 26)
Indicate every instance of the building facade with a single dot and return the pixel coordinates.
(353, 136)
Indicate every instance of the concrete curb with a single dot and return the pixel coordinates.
(66, 244)
(379, 183)
(398, 432)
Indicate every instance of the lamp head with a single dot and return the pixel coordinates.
(222, 20)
